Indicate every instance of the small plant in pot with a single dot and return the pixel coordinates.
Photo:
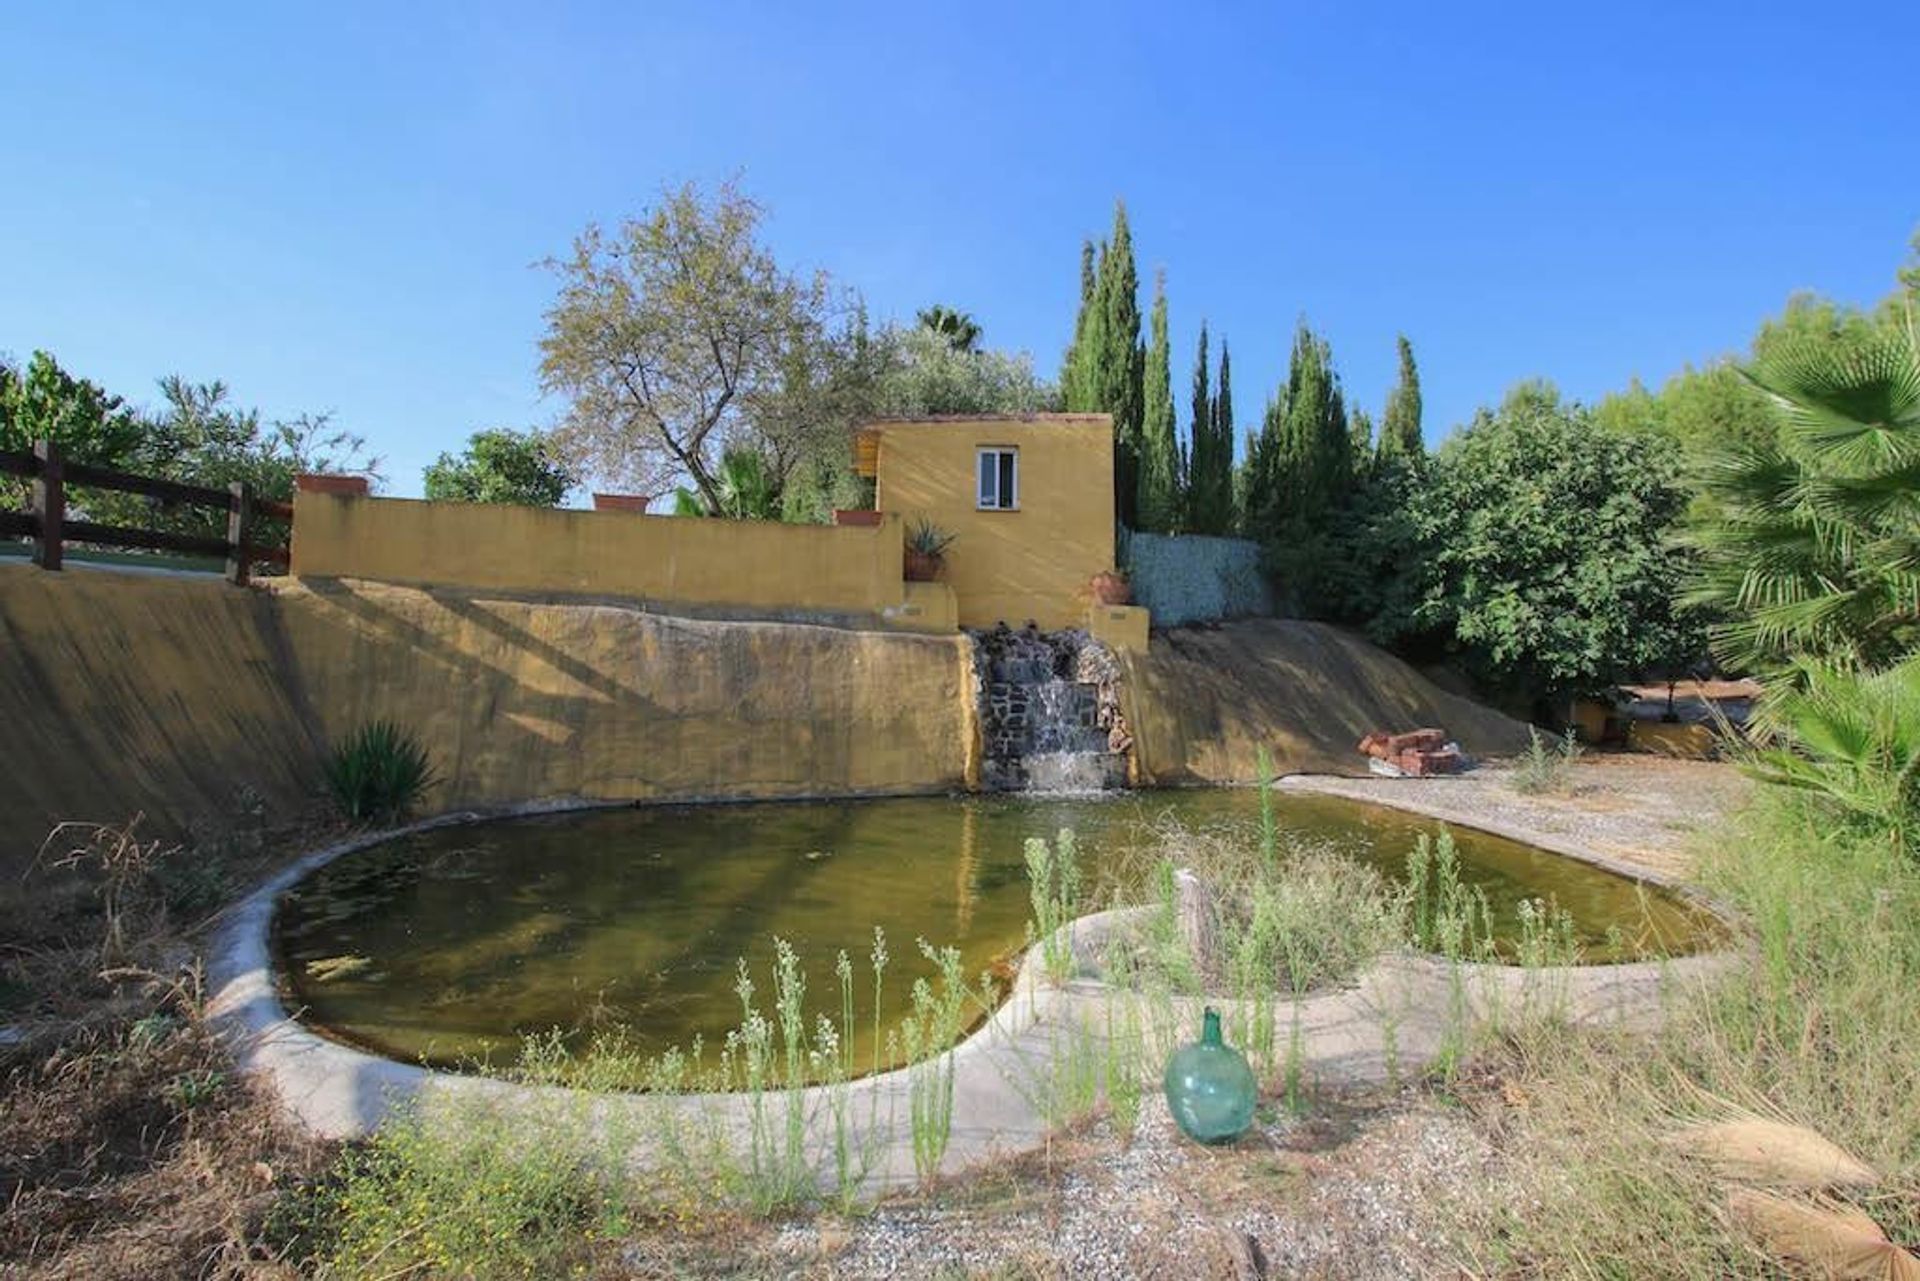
(1110, 587)
(926, 554)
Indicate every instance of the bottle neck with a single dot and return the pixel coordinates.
(1210, 1027)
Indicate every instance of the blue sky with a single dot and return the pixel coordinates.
(340, 207)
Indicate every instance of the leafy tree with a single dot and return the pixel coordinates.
(501, 466)
(920, 373)
(1542, 557)
(45, 402)
(957, 328)
(671, 336)
(1816, 550)
(1159, 500)
(1400, 432)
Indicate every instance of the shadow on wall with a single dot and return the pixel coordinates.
(1206, 700)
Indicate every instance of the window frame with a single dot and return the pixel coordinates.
(999, 453)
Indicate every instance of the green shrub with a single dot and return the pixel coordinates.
(378, 773)
(1547, 764)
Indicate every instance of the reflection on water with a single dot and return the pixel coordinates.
(455, 944)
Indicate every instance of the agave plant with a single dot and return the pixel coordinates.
(1851, 736)
(1818, 549)
(378, 773)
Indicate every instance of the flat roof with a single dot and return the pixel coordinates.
(904, 420)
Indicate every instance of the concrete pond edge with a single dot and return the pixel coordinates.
(1399, 1015)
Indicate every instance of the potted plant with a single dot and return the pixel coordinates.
(926, 556)
(1110, 587)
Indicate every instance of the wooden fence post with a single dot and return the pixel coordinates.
(49, 505)
(239, 532)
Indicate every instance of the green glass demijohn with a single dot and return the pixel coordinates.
(1210, 1088)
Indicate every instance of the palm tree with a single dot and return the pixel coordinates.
(957, 327)
(746, 485)
(1816, 551)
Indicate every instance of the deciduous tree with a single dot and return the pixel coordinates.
(501, 466)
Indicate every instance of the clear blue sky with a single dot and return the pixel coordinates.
(337, 207)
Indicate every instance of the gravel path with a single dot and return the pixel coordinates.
(1640, 810)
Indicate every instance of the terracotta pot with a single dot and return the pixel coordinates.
(1110, 588)
(922, 568)
(860, 517)
(620, 503)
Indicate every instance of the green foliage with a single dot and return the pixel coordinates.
(919, 372)
(1850, 737)
(501, 466)
(1160, 480)
(45, 402)
(1400, 431)
(1209, 488)
(1541, 552)
(1547, 764)
(679, 331)
(1105, 366)
(955, 328)
(1816, 548)
(1300, 476)
(928, 539)
(378, 773)
(1053, 886)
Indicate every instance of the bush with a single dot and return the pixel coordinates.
(1547, 764)
(378, 773)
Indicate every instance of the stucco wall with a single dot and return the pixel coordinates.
(1202, 703)
(122, 694)
(1009, 565)
(518, 700)
(125, 694)
(762, 566)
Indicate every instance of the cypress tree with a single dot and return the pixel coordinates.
(1159, 492)
(1400, 427)
(1202, 502)
(1076, 387)
(1120, 362)
(1221, 482)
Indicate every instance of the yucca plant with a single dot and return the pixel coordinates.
(1817, 551)
(1851, 736)
(378, 773)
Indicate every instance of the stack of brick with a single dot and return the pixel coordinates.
(1417, 753)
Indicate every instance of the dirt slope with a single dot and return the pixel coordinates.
(1204, 700)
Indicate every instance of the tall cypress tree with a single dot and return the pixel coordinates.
(1302, 482)
(1159, 491)
(1076, 384)
(1202, 501)
(1120, 365)
(1400, 427)
(1221, 421)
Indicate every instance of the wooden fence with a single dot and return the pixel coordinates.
(47, 524)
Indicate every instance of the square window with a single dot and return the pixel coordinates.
(997, 482)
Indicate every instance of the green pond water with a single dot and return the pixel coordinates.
(452, 946)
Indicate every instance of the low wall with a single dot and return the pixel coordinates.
(1191, 578)
(1202, 703)
(124, 694)
(749, 566)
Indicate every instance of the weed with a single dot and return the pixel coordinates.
(378, 773)
(1547, 764)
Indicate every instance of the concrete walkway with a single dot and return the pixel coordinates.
(1011, 1078)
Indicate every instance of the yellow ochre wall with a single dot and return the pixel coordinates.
(726, 564)
(1012, 565)
(190, 700)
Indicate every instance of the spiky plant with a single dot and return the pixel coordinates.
(378, 773)
(1851, 736)
(1817, 550)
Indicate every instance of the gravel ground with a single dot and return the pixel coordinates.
(1347, 1192)
(1638, 809)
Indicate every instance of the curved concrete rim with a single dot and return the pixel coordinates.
(1400, 1014)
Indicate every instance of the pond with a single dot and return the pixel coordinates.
(451, 946)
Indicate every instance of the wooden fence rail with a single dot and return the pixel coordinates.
(47, 524)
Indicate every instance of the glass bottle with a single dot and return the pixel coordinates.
(1210, 1088)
